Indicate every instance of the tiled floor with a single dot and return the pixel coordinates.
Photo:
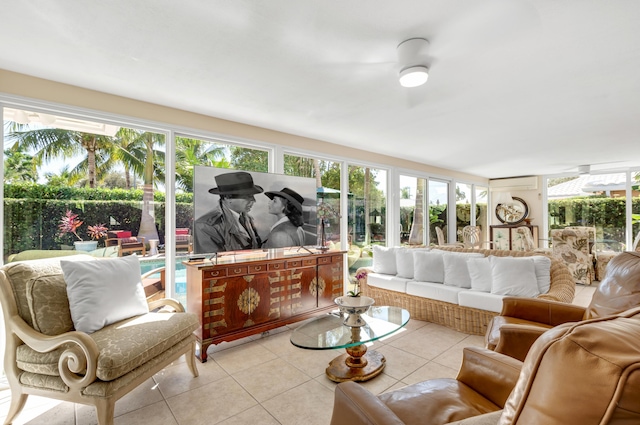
(265, 380)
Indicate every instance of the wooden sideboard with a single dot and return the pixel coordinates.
(254, 292)
(504, 236)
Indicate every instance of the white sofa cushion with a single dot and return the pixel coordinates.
(456, 272)
(480, 273)
(404, 263)
(480, 300)
(386, 281)
(428, 266)
(384, 259)
(434, 291)
(543, 272)
(514, 276)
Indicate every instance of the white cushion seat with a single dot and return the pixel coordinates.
(387, 281)
(480, 300)
(434, 291)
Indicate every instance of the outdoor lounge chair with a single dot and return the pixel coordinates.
(125, 242)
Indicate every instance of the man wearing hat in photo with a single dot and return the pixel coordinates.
(229, 227)
(286, 205)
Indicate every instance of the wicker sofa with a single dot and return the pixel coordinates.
(461, 318)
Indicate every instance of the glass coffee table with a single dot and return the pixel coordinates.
(357, 364)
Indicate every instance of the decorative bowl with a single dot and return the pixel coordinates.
(353, 307)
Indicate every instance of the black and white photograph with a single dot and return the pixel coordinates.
(241, 210)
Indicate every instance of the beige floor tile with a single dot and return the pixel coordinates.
(310, 404)
(41, 411)
(257, 415)
(380, 383)
(156, 414)
(400, 363)
(428, 342)
(177, 379)
(242, 357)
(211, 403)
(141, 396)
(431, 370)
(267, 380)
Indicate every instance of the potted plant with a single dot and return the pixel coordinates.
(356, 288)
(70, 223)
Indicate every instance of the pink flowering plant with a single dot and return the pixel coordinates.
(356, 290)
(70, 223)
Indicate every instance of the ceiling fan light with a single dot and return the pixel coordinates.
(414, 76)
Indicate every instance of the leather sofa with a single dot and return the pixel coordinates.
(522, 321)
(583, 373)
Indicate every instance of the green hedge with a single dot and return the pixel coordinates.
(31, 219)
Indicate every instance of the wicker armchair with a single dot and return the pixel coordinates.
(45, 355)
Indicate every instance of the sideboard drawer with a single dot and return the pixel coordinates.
(237, 270)
(259, 268)
(209, 274)
(276, 266)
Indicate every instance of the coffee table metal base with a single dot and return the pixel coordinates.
(348, 368)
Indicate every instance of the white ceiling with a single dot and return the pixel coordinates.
(515, 87)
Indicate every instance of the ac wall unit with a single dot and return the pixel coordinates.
(514, 183)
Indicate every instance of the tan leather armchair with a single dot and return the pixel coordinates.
(583, 373)
(45, 356)
(483, 384)
(522, 321)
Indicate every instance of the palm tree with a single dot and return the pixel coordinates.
(51, 143)
(191, 152)
(19, 167)
(137, 151)
(64, 178)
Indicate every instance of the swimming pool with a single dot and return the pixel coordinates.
(180, 292)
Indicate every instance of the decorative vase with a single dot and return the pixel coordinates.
(86, 246)
(353, 308)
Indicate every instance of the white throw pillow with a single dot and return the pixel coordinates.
(456, 272)
(543, 272)
(428, 266)
(103, 292)
(384, 259)
(480, 274)
(514, 276)
(404, 263)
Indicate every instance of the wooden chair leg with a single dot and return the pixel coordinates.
(191, 360)
(105, 410)
(18, 400)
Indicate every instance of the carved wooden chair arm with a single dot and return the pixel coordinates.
(77, 364)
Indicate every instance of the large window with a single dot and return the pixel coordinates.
(594, 200)
(438, 216)
(327, 175)
(367, 208)
(412, 210)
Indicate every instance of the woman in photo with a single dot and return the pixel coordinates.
(286, 205)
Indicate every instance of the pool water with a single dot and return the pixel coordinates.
(180, 293)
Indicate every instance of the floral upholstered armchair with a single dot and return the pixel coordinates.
(59, 346)
(572, 246)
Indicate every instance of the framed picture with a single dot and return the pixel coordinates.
(513, 212)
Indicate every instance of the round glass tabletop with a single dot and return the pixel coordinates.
(328, 332)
